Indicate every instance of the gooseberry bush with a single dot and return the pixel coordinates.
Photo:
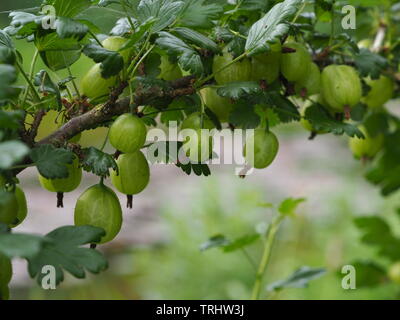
(237, 64)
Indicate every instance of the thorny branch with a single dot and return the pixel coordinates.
(106, 112)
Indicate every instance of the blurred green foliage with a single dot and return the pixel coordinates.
(177, 269)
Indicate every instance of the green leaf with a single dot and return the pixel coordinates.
(214, 242)
(111, 61)
(170, 114)
(196, 38)
(272, 117)
(52, 162)
(289, 206)
(376, 123)
(46, 85)
(227, 246)
(244, 116)
(20, 245)
(273, 25)
(385, 171)
(69, 28)
(188, 58)
(299, 279)
(199, 169)
(8, 75)
(370, 64)
(122, 27)
(52, 42)
(98, 162)
(236, 90)
(7, 49)
(138, 34)
(199, 14)
(68, 8)
(165, 11)
(213, 117)
(152, 65)
(376, 232)
(321, 120)
(254, 5)
(58, 53)
(12, 152)
(285, 109)
(11, 119)
(63, 251)
(23, 24)
(368, 274)
(240, 243)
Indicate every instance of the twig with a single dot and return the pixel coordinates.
(32, 133)
(112, 108)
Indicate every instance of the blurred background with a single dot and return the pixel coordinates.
(157, 255)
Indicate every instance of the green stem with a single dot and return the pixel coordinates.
(31, 71)
(200, 83)
(299, 12)
(105, 141)
(337, 46)
(22, 166)
(133, 63)
(72, 79)
(127, 16)
(332, 23)
(273, 229)
(95, 38)
(234, 10)
(142, 59)
(202, 111)
(237, 34)
(135, 69)
(286, 111)
(28, 80)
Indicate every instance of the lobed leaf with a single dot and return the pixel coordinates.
(321, 120)
(98, 162)
(51, 161)
(63, 252)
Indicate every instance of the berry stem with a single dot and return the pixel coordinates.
(129, 201)
(60, 200)
(347, 112)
